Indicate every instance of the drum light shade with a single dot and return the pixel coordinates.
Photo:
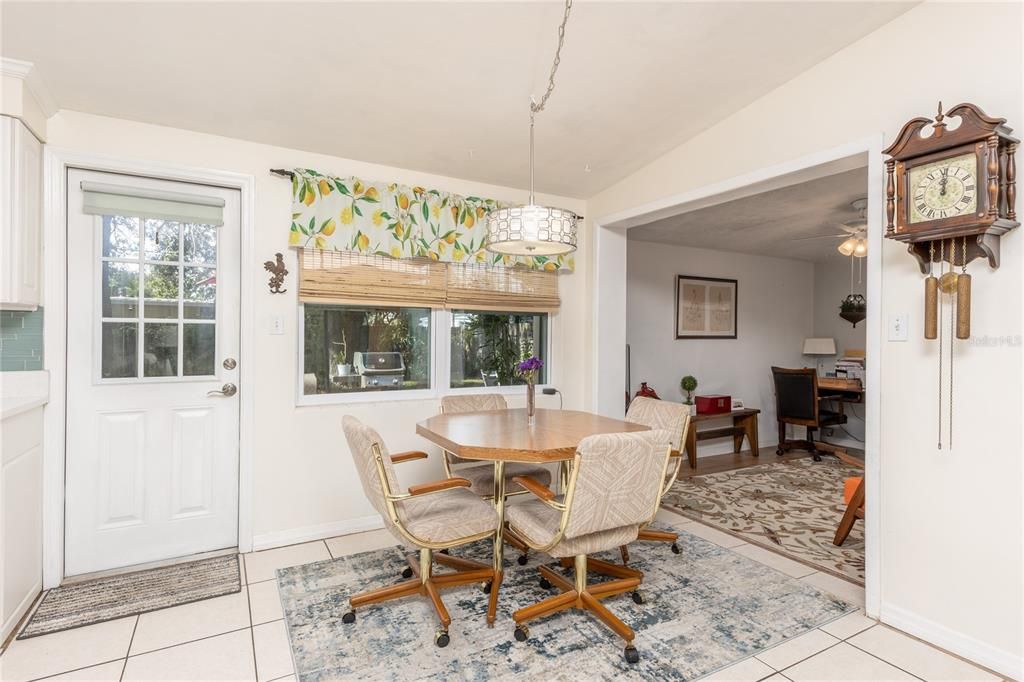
(531, 230)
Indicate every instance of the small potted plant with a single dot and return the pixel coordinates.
(689, 384)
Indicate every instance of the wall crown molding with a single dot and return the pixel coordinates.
(27, 72)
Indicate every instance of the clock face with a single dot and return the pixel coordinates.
(943, 189)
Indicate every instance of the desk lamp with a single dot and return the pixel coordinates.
(819, 347)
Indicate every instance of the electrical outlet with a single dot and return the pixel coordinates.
(898, 323)
(276, 324)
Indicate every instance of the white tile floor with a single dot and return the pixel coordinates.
(242, 636)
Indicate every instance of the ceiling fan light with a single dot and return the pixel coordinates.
(861, 248)
(847, 247)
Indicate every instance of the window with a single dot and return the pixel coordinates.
(167, 271)
(485, 346)
(352, 349)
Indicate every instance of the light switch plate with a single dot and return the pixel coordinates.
(276, 324)
(898, 323)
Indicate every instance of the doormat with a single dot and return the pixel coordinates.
(130, 594)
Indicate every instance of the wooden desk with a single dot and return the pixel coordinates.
(504, 436)
(744, 423)
(849, 390)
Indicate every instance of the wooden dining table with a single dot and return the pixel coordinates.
(507, 436)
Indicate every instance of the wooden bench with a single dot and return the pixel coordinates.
(744, 424)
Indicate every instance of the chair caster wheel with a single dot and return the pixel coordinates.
(545, 584)
(638, 598)
(780, 452)
(441, 639)
(486, 587)
(407, 573)
(522, 633)
(522, 559)
(817, 457)
(632, 655)
(675, 548)
(444, 551)
(349, 617)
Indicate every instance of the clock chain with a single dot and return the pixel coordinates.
(942, 267)
(953, 304)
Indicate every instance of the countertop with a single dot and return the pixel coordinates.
(23, 391)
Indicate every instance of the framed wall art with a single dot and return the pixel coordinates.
(705, 308)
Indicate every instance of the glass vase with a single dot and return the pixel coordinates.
(531, 404)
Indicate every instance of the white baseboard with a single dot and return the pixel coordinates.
(1002, 662)
(293, 536)
(19, 611)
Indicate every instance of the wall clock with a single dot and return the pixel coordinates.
(944, 183)
(950, 195)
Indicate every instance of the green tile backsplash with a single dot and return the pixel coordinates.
(21, 340)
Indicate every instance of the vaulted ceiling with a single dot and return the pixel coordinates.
(434, 86)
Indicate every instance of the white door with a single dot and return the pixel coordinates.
(153, 337)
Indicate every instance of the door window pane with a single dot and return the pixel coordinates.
(200, 293)
(200, 348)
(349, 349)
(161, 297)
(160, 350)
(119, 350)
(162, 239)
(119, 289)
(486, 346)
(200, 244)
(120, 236)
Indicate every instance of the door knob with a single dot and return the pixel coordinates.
(229, 363)
(227, 390)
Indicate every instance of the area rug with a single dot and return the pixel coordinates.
(129, 594)
(790, 507)
(704, 609)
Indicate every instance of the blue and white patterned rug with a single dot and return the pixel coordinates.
(706, 608)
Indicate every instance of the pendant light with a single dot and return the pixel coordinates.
(535, 230)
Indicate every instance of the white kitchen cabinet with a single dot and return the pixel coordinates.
(21, 510)
(21, 158)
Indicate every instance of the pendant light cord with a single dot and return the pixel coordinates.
(537, 107)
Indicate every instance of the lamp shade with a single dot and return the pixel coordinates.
(531, 231)
(847, 247)
(820, 346)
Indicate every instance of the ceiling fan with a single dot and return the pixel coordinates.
(854, 232)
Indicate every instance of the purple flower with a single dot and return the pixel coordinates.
(531, 364)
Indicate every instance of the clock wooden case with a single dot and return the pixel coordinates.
(957, 183)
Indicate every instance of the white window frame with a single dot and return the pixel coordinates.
(440, 365)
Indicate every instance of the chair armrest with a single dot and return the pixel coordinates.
(409, 456)
(536, 487)
(438, 486)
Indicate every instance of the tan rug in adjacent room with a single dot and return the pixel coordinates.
(790, 507)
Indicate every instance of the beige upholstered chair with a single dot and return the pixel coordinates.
(430, 516)
(481, 475)
(674, 418)
(614, 489)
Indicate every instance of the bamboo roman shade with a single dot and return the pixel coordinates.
(353, 278)
(346, 277)
(481, 287)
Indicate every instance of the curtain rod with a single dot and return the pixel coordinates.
(282, 172)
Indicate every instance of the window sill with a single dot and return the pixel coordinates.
(370, 397)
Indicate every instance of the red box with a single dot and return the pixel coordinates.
(713, 404)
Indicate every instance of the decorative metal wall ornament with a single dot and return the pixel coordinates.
(277, 272)
(534, 230)
(955, 188)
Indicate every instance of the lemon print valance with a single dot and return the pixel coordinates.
(389, 219)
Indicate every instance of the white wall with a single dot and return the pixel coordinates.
(831, 286)
(951, 522)
(305, 484)
(774, 299)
